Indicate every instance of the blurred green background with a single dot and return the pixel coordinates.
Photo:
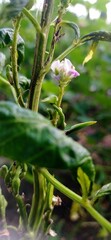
(88, 97)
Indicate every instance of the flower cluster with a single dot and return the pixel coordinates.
(64, 71)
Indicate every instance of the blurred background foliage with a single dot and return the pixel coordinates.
(87, 98)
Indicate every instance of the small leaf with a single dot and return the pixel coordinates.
(84, 182)
(52, 99)
(105, 190)
(72, 25)
(79, 126)
(24, 82)
(91, 52)
(7, 91)
(6, 38)
(30, 138)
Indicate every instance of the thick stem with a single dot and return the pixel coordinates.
(38, 72)
(75, 197)
(14, 59)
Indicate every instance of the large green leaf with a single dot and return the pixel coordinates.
(6, 38)
(28, 137)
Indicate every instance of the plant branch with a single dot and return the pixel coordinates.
(68, 50)
(75, 197)
(38, 71)
(32, 19)
(14, 61)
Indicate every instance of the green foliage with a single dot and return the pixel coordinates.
(28, 137)
(12, 9)
(105, 190)
(46, 146)
(6, 38)
(7, 91)
(84, 182)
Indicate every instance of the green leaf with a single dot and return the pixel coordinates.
(97, 36)
(72, 25)
(84, 182)
(28, 137)
(12, 9)
(6, 38)
(79, 126)
(7, 91)
(105, 190)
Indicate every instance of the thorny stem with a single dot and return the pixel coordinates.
(14, 59)
(75, 197)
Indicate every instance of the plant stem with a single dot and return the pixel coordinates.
(60, 96)
(32, 19)
(68, 50)
(23, 213)
(32, 214)
(38, 71)
(99, 218)
(38, 201)
(75, 197)
(14, 61)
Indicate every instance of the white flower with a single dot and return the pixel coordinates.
(64, 71)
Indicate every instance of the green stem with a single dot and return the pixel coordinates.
(75, 197)
(32, 214)
(23, 213)
(14, 59)
(38, 71)
(60, 96)
(38, 201)
(32, 19)
(68, 50)
(60, 186)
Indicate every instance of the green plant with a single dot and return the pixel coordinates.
(29, 138)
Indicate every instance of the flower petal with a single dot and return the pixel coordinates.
(55, 66)
(73, 73)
